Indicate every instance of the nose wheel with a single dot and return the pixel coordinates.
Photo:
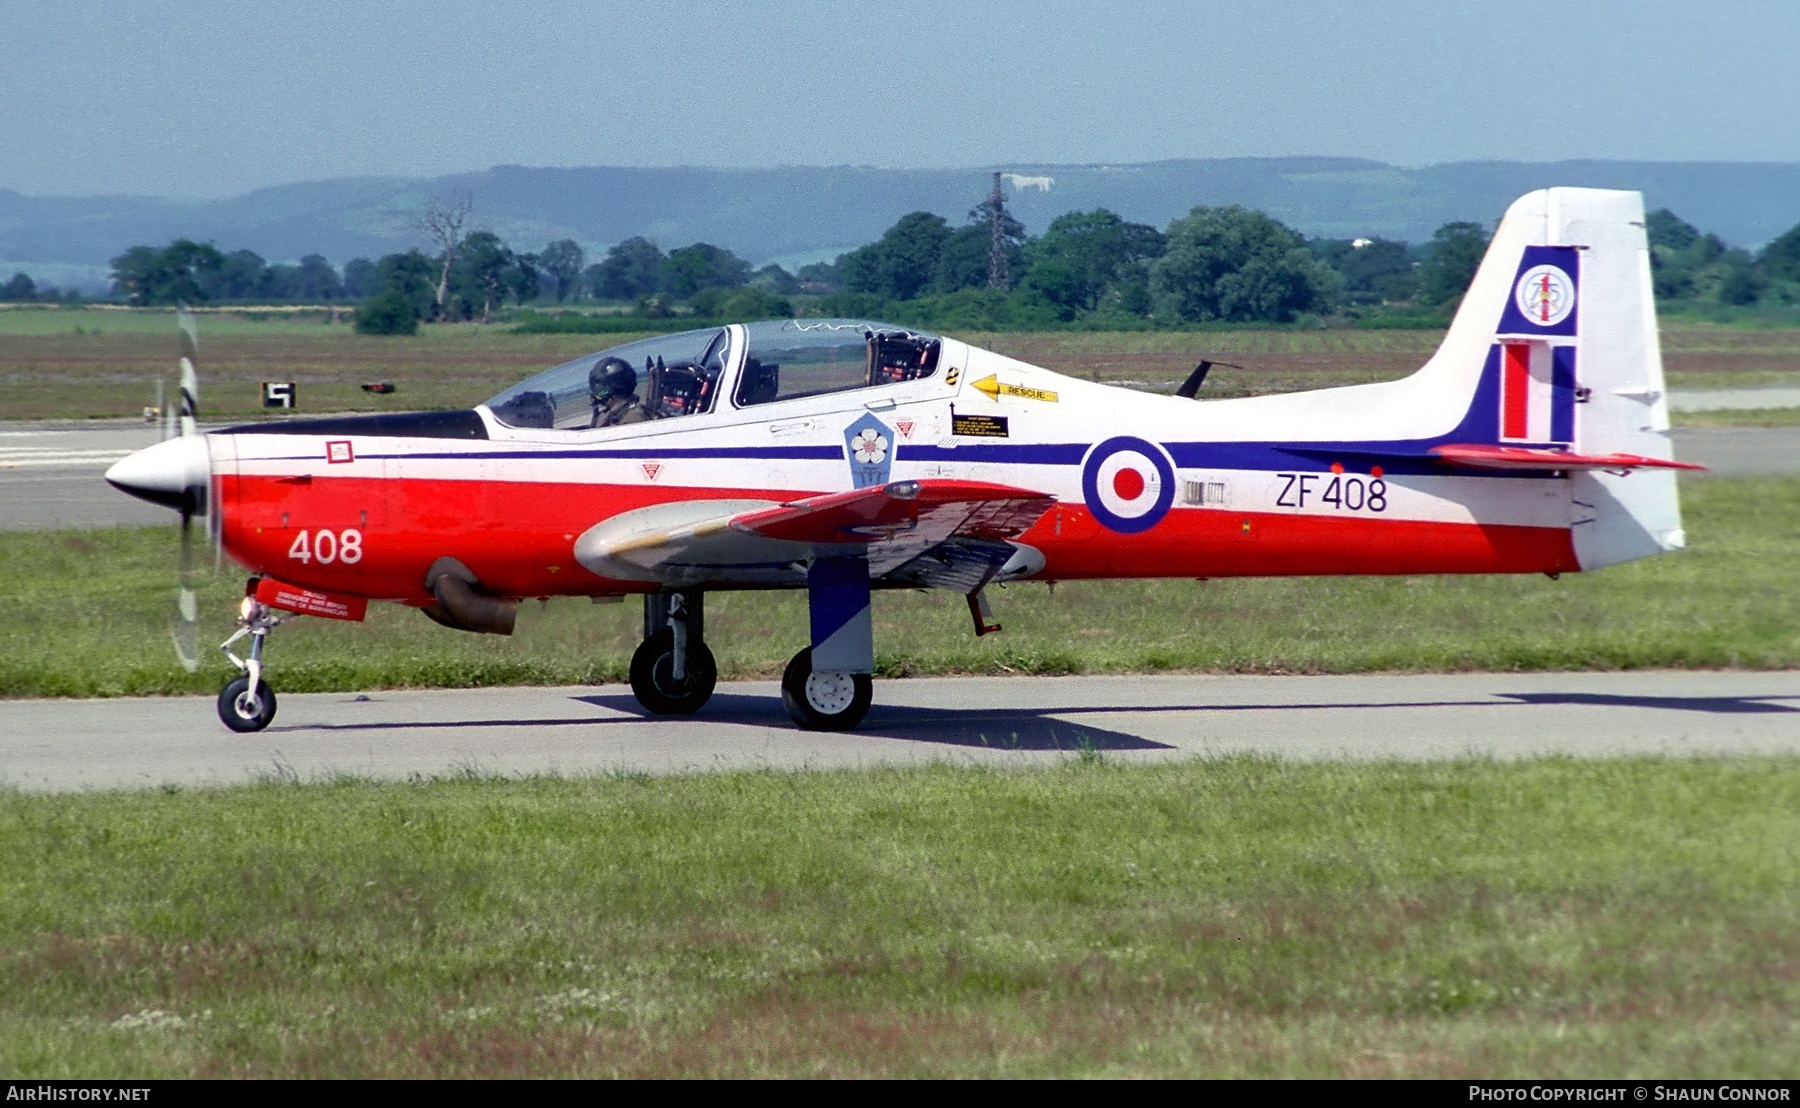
(247, 703)
(824, 701)
(243, 709)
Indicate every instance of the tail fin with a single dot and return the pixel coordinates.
(1562, 321)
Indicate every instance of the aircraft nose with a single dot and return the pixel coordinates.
(173, 473)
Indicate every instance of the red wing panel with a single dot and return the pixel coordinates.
(1519, 457)
(940, 508)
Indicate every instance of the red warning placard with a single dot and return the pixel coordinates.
(311, 602)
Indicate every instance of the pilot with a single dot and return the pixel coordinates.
(612, 384)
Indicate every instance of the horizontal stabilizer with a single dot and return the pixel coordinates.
(1540, 458)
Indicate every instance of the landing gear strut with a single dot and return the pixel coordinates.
(247, 703)
(672, 671)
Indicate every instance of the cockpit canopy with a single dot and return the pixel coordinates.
(676, 375)
(759, 363)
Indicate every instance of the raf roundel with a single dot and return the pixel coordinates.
(1128, 484)
(1545, 295)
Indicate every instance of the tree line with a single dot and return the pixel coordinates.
(1095, 269)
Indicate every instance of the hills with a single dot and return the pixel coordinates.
(797, 214)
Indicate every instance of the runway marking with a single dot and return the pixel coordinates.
(20, 457)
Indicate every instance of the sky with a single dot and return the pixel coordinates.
(205, 99)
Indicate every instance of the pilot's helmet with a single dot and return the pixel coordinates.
(611, 377)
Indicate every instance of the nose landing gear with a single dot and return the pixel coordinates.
(247, 703)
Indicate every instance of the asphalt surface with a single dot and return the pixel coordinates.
(62, 746)
(50, 474)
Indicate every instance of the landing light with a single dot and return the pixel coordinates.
(903, 490)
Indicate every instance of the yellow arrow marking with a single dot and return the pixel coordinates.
(992, 386)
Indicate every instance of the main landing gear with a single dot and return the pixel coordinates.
(672, 671)
(824, 701)
(247, 703)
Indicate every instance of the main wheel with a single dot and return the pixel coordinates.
(824, 701)
(241, 711)
(653, 676)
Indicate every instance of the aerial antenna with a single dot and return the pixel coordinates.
(1197, 378)
(998, 278)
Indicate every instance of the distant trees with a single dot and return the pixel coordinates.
(1089, 259)
(563, 260)
(1088, 268)
(631, 270)
(190, 272)
(1375, 271)
(689, 269)
(900, 264)
(1238, 265)
(442, 222)
(1701, 269)
(403, 296)
(1451, 258)
(179, 272)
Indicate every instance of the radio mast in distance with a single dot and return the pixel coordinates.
(998, 278)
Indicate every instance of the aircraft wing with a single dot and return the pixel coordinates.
(894, 524)
(1520, 457)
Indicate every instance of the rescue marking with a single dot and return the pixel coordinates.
(992, 385)
(651, 469)
(339, 452)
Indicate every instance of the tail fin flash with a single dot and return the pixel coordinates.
(1562, 320)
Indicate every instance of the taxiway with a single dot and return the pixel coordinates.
(59, 746)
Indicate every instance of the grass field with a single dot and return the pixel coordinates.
(100, 363)
(88, 614)
(1238, 918)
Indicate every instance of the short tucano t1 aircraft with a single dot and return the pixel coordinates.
(842, 456)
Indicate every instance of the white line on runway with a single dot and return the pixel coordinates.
(18, 459)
